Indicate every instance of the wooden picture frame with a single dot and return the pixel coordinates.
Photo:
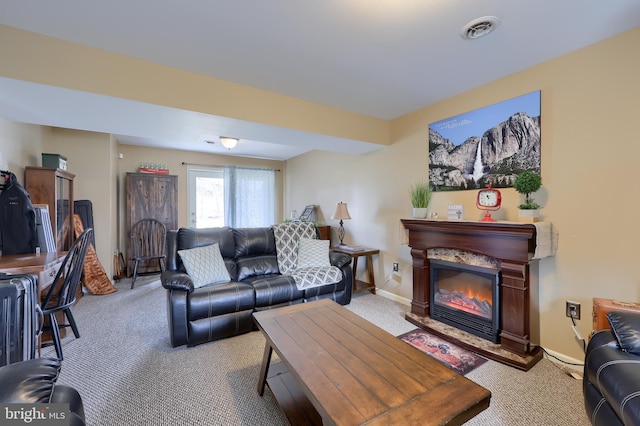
(307, 212)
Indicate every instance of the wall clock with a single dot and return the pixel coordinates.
(489, 199)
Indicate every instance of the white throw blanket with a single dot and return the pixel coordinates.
(546, 240)
(287, 236)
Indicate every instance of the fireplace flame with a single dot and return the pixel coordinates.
(466, 302)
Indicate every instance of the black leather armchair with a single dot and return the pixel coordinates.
(198, 315)
(611, 383)
(34, 381)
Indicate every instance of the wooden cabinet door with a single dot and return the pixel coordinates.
(150, 196)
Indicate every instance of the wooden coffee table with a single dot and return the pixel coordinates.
(337, 368)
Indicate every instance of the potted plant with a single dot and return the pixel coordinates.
(526, 183)
(420, 197)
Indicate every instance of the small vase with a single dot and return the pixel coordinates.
(528, 216)
(420, 213)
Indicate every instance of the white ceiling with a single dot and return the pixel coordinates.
(382, 58)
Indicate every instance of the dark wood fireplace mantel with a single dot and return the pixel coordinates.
(512, 245)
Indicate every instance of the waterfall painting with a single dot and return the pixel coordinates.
(490, 145)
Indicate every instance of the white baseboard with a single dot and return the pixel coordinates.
(393, 297)
(572, 368)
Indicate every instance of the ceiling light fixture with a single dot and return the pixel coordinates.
(228, 143)
(479, 27)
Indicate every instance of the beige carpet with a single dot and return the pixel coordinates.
(128, 374)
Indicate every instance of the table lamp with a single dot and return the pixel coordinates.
(341, 214)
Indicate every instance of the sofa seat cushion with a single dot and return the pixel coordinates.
(275, 289)
(212, 300)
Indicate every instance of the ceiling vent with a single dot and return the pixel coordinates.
(479, 27)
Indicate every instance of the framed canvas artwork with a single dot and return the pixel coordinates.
(490, 145)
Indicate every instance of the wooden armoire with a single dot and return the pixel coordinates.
(149, 196)
(53, 187)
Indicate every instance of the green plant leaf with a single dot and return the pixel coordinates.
(420, 194)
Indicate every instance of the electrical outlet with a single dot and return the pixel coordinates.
(573, 310)
(395, 266)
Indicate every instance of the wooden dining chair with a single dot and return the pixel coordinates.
(62, 293)
(147, 244)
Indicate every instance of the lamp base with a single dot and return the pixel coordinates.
(341, 232)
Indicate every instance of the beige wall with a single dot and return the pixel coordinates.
(589, 155)
(89, 157)
(21, 145)
(39, 59)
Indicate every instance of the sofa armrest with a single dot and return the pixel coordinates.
(339, 259)
(176, 280)
(30, 381)
(615, 376)
(69, 395)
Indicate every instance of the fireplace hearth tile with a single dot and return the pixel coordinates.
(474, 343)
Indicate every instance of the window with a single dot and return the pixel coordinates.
(231, 196)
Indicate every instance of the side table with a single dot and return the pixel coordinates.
(368, 253)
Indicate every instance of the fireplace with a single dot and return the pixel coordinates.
(512, 248)
(466, 297)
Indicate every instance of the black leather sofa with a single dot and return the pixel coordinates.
(198, 315)
(34, 382)
(611, 383)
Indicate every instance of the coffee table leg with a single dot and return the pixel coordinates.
(266, 360)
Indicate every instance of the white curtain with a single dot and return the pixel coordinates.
(249, 197)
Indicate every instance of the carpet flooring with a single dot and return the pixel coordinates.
(128, 374)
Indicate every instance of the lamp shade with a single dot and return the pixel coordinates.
(341, 212)
(228, 143)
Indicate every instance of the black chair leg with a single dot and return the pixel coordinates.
(55, 335)
(135, 274)
(72, 322)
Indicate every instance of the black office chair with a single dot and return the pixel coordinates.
(62, 293)
(147, 243)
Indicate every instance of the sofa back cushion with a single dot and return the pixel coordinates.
(253, 242)
(255, 252)
(189, 238)
(626, 329)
